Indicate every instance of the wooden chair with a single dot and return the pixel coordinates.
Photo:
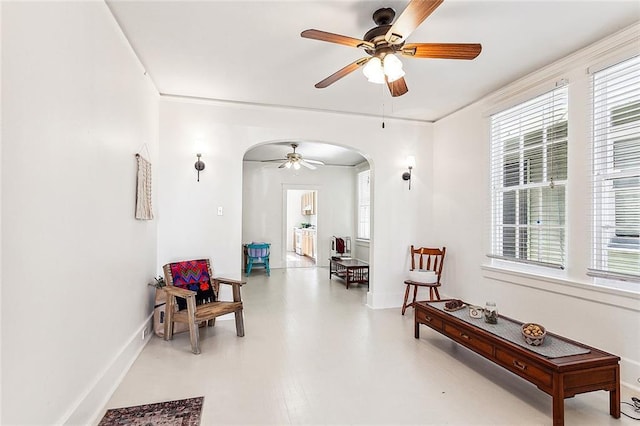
(258, 255)
(431, 259)
(192, 298)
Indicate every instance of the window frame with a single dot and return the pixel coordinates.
(536, 121)
(363, 214)
(606, 233)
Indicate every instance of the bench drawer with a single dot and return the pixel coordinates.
(525, 368)
(428, 319)
(468, 339)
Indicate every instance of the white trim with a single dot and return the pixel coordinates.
(630, 374)
(89, 406)
(608, 48)
(614, 58)
(243, 104)
(121, 33)
(560, 283)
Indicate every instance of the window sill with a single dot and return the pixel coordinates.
(616, 293)
(362, 241)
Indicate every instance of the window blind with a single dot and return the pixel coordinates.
(529, 148)
(616, 171)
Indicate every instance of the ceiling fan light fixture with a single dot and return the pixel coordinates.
(373, 71)
(393, 68)
(288, 164)
(296, 165)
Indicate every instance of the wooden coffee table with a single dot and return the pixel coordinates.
(561, 377)
(350, 270)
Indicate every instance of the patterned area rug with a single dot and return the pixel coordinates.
(183, 412)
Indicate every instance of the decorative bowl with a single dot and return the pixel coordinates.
(533, 333)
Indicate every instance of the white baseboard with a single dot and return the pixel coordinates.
(630, 374)
(88, 408)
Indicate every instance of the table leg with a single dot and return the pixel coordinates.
(558, 400)
(614, 396)
(347, 277)
(416, 331)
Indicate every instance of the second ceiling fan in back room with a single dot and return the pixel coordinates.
(294, 159)
(386, 39)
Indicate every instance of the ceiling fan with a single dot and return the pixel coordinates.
(295, 160)
(385, 40)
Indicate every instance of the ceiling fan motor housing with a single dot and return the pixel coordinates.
(383, 19)
(384, 16)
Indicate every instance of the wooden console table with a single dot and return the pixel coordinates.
(351, 270)
(561, 377)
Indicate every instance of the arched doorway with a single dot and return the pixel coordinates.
(269, 187)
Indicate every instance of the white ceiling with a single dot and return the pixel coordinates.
(251, 51)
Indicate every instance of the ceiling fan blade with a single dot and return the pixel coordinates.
(318, 162)
(442, 50)
(336, 38)
(416, 12)
(397, 87)
(341, 73)
(307, 165)
(282, 166)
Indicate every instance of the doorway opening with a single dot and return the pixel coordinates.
(301, 249)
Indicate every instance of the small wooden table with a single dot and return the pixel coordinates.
(351, 270)
(561, 377)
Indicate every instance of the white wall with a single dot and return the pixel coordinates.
(263, 205)
(190, 227)
(76, 107)
(567, 302)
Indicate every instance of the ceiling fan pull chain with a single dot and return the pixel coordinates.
(382, 106)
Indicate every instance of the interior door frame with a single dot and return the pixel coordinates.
(283, 232)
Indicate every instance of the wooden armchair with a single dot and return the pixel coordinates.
(192, 298)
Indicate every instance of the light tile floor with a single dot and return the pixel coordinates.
(313, 353)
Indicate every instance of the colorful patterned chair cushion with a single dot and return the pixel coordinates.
(193, 275)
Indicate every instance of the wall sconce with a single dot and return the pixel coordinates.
(199, 165)
(411, 163)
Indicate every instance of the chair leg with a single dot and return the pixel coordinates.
(239, 323)
(194, 333)
(268, 268)
(406, 296)
(415, 293)
(249, 266)
(437, 292)
(168, 317)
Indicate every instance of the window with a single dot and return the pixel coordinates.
(363, 206)
(616, 170)
(528, 177)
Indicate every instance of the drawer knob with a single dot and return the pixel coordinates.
(465, 336)
(428, 318)
(519, 365)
